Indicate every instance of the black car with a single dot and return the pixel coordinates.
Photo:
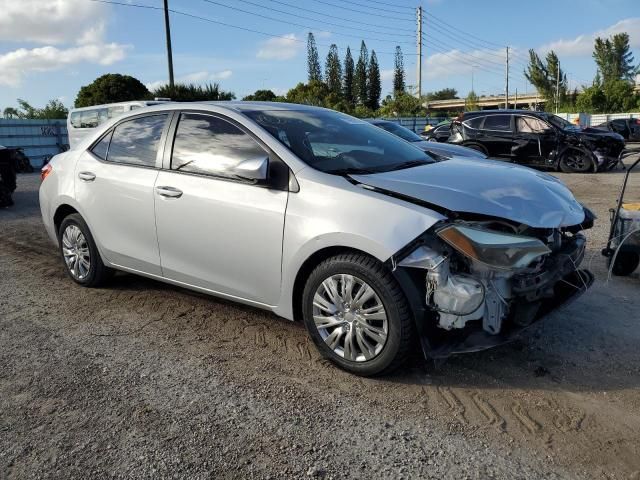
(537, 139)
(439, 133)
(438, 150)
(629, 128)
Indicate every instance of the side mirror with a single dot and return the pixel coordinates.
(255, 169)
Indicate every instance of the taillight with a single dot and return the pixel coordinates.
(46, 170)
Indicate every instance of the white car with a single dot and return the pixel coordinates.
(320, 217)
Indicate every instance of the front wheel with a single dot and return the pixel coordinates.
(575, 161)
(357, 315)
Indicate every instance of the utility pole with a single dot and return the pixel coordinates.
(419, 44)
(515, 105)
(167, 30)
(472, 68)
(506, 90)
(558, 87)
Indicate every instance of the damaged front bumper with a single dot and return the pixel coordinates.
(452, 321)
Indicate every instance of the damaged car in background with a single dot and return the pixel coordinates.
(320, 217)
(537, 139)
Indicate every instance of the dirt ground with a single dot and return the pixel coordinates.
(144, 380)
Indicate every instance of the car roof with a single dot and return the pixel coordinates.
(501, 112)
(249, 106)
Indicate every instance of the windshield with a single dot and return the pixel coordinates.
(337, 143)
(559, 122)
(400, 131)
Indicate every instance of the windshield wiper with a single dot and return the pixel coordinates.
(352, 171)
(409, 164)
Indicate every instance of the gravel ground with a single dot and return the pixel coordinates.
(143, 380)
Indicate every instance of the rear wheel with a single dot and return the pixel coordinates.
(575, 161)
(626, 263)
(357, 315)
(79, 253)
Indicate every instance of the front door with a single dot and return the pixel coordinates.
(214, 230)
(114, 184)
(534, 141)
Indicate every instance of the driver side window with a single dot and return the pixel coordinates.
(209, 145)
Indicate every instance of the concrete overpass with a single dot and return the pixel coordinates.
(487, 103)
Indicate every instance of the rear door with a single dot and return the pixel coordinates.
(114, 185)
(496, 135)
(216, 231)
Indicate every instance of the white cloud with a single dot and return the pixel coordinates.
(195, 77)
(18, 63)
(52, 21)
(71, 32)
(582, 45)
(280, 48)
(455, 62)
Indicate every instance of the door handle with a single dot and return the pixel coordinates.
(169, 192)
(87, 176)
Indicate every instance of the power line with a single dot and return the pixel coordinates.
(462, 40)
(391, 5)
(325, 22)
(387, 17)
(308, 10)
(477, 59)
(217, 22)
(273, 19)
(449, 55)
(352, 2)
(462, 32)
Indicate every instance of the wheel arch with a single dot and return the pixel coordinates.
(315, 259)
(62, 211)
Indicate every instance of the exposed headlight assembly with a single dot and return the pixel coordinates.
(495, 249)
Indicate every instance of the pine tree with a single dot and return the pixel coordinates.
(614, 58)
(543, 75)
(313, 63)
(374, 87)
(360, 76)
(398, 73)
(347, 82)
(333, 71)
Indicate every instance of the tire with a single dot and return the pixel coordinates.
(626, 263)
(574, 161)
(376, 347)
(75, 240)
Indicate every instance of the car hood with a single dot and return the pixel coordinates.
(485, 187)
(448, 150)
(592, 133)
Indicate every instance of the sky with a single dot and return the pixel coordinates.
(50, 48)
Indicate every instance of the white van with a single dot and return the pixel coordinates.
(82, 121)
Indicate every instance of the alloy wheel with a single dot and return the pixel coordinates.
(75, 250)
(350, 317)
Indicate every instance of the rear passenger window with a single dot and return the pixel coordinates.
(135, 142)
(497, 122)
(474, 122)
(101, 148)
(212, 146)
(76, 119)
(89, 119)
